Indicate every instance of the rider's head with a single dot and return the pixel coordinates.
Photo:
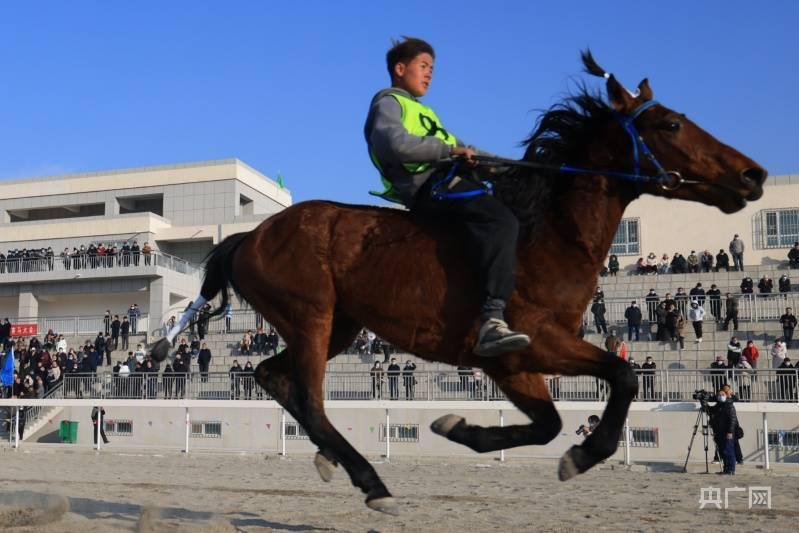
(410, 65)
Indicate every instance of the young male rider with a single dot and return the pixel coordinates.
(407, 143)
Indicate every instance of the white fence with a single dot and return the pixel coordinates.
(83, 262)
(664, 386)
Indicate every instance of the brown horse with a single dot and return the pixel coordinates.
(320, 271)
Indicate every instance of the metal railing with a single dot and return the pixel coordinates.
(751, 307)
(779, 385)
(81, 263)
(80, 325)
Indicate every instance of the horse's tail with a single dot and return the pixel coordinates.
(219, 272)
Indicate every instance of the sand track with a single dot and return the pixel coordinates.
(59, 490)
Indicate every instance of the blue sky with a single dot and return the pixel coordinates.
(285, 87)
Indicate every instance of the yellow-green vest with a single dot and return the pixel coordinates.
(419, 120)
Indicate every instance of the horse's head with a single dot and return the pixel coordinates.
(697, 165)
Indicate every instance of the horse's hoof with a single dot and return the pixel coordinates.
(325, 467)
(160, 349)
(386, 505)
(570, 463)
(446, 423)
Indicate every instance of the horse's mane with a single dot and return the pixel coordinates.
(560, 137)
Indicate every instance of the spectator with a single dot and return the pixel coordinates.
(409, 380)
(124, 331)
(714, 294)
(109, 344)
(786, 380)
(228, 317)
(651, 264)
(272, 341)
(793, 256)
(693, 262)
(613, 265)
(706, 261)
(259, 341)
(598, 310)
(393, 372)
(204, 360)
(788, 323)
(235, 380)
(722, 261)
(194, 347)
(168, 379)
(750, 353)
(652, 300)
(718, 372)
(245, 346)
(675, 323)
(133, 315)
(733, 352)
(778, 353)
(636, 368)
(180, 368)
(248, 376)
(678, 264)
(377, 380)
(648, 372)
(146, 251)
(696, 315)
(724, 422)
(731, 304)
(139, 354)
(640, 267)
(668, 300)
(107, 321)
(135, 251)
(663, 265)
(737, 251)
(613, 343)
(784, 283)
(765, 285)
(682, 300)
(99, 346)
(115, 327)
(599, 294)
(633, 316)
(98, 419)
(698, 294)
(662, 316)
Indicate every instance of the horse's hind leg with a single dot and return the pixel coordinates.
(530, 394)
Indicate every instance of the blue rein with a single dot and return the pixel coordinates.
(639, 147)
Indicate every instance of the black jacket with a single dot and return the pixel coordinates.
(723, 419)
(784, 284)
(788, 321)
(633, 315)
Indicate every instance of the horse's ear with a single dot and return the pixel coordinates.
(644, 92)
(620, 98)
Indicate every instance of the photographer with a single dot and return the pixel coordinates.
(724, 421)
(593, 422)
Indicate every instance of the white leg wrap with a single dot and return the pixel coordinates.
(185, 318)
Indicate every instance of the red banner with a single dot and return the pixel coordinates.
(23, 330)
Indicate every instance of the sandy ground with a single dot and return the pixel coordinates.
(46, 490)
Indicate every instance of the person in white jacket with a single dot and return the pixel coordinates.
(778, 353)
(696, 314)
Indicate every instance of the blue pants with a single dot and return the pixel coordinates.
(727, 451)
(633, 328)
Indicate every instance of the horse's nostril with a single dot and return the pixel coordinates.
(755, 174)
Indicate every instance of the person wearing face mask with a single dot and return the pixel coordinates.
(724, 421)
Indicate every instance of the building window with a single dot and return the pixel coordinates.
(246, 205)
(642, 438)
(211, 430)
(780, 227)
(294, 431)
(151, 203)
(119, 428)
(783, 438)
(400, 432)
(56, 212)
(627, 240)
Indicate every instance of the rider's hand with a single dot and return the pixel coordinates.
(729, 436)
(465, 153)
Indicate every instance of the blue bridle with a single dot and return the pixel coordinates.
(627, 122)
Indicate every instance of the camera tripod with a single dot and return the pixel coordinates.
(702, 419)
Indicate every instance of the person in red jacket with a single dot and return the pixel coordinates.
(751, 353)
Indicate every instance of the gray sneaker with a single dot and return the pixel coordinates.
(496, 338)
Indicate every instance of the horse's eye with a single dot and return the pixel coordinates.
(672, 125)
